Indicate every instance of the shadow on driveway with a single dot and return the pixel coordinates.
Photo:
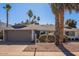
(64, 50)
(17, 43)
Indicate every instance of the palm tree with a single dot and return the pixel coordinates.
(7, 8)
(58, 10)
(30, 14)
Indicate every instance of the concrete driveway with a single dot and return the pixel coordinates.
(18, 50)
(14, 50)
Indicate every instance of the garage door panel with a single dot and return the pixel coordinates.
(19, 35)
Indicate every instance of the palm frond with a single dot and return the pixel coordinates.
(66, 6)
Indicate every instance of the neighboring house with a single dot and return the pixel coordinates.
(72, 33)
(29, 32)
(3, 26)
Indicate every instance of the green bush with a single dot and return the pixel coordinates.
(44, 38)
(51, 38)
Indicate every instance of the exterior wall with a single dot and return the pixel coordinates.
(77, 34)
(18, 35)
(33, 35)
(24, 35)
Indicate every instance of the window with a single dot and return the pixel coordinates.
(70, 33)
(43, 32)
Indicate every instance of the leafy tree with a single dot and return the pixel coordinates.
(32, 18)
(71, 23)
(38, 18)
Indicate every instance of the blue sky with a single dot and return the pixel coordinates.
(19, 11)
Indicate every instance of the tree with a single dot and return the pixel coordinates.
(7, 8)
(58, 10)
(71, 23)
(22, 22)
(38, 18)
(27, 21)
(30, 14)
(33, 18)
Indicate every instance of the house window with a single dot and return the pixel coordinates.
(70, 33)
(43, 32)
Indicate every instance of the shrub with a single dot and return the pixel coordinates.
(51, 38)
(43, 38)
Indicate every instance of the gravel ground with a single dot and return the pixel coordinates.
(72, 46)
(43, 47)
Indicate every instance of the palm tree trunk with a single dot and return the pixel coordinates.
(7, 18)
(59, 27)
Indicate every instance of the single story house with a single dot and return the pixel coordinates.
(72, 33)
(28, 33)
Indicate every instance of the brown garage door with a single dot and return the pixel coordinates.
(19, 35)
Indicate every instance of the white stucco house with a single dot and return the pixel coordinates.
(28, 33)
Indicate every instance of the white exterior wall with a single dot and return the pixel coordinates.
(77, 34)
(33, 35)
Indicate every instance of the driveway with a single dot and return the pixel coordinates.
(12, 49)
(19, 50)
(42, 49)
